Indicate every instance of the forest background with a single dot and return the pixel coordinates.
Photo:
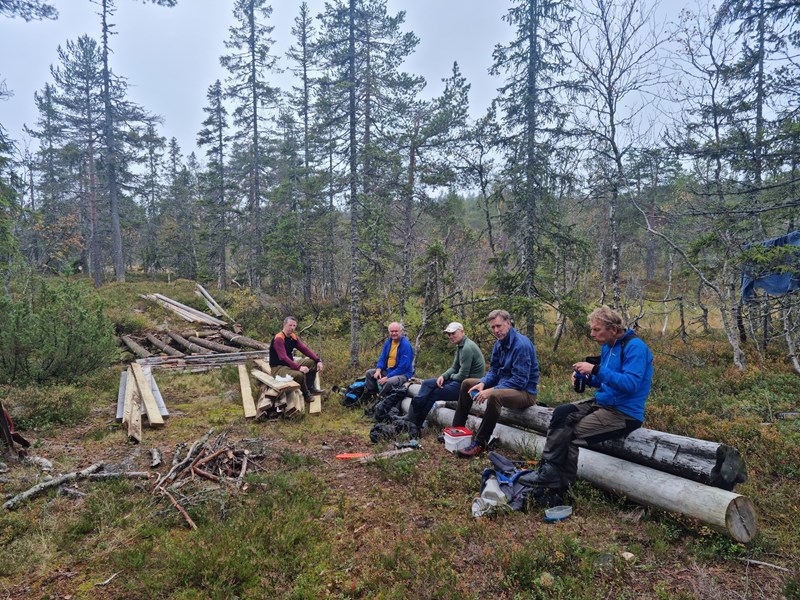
(619, 152)
(625, 160)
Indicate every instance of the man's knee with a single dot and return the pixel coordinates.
(560, 415)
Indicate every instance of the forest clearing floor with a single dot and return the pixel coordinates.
(306, 525)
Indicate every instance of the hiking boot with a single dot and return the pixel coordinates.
(315, 392)
(547, 475)
(474, 449)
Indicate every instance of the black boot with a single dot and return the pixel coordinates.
(311, 377)
(547, 475)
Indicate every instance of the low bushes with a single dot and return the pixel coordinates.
(55, 332)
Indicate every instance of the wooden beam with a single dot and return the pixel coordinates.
(200, 360)
(276, 385)
(123, 378)
(151, 407)
(163, 346)
(194, 348)
(213, 345)
(132, 416)
(199, 316)
(247, 393)
(210, 299)
(263, 365)
(136, 348)
(243, 340)
(162, 408)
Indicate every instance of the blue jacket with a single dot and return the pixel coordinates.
(405, 359)
(513, 365)
(624, 387)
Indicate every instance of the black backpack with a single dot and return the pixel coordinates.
(389, 406)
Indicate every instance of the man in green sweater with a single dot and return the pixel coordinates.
(468, 362)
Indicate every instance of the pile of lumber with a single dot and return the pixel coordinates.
(674, 473)
(139, 397)
(278, 397)
(188, 313)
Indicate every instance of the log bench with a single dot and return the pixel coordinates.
(671, 472)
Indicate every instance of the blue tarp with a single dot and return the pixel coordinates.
(774, 283)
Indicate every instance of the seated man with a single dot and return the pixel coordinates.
(512, 381)
(282, 362)
(468, 362)
(623, 375)
(395, 365)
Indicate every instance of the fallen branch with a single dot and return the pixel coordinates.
(122, 474)
(206, 474)
(240, 479)
(46, 485)
(180, 509)
(750, 561)
(107, 581)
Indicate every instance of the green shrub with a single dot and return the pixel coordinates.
(39, 407)
(57, 333)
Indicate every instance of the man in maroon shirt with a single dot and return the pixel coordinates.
(282, 362)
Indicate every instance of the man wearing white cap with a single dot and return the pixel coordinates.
(468, 362)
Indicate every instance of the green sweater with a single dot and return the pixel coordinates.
(469, 362)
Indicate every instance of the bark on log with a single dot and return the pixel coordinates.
(710, 463)
(163, 346)
(193, 348)
(243, 340)
(137, 349)
(213, 345)
(51, 483)
(722, 510)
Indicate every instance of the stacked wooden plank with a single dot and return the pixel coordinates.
(139, 396)
(200, 350)
(280, 396)
(183, 311)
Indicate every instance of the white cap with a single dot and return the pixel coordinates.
(453, 327)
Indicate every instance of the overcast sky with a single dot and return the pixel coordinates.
(170, 56)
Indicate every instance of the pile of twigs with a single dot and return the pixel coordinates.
(218, 461)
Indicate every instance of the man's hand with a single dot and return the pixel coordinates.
(320, 367)
(482, 395)
(377, 374)
(383, 380)
(440, 381)
(584, 368)
(303, 369)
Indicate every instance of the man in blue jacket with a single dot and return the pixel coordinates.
(395, 365)
(511, 381)
(623, 376)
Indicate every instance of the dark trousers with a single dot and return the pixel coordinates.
(371, 384)
(429, 393)
(581, 424)
(518, 399)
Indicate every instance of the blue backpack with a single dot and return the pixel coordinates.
(352, 394)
